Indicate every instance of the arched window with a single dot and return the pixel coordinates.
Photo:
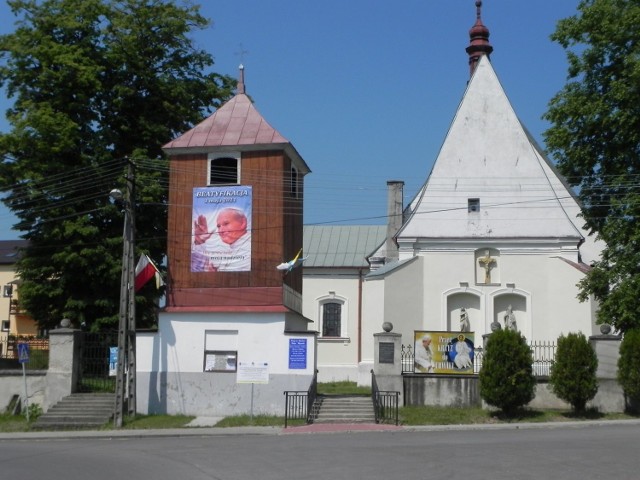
(331, 319)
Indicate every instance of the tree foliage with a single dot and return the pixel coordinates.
(93, 82)
(573, 374)
(629, 367)
(595, 138)
(506, 377)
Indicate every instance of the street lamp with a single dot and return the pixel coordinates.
(126, 375)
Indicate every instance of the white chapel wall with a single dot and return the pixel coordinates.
(337, 357)
(170, 364)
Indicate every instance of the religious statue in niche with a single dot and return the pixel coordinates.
(465, 325)
(487, 263)
(510, 320)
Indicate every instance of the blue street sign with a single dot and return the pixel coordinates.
(113, 361)
(23, 352)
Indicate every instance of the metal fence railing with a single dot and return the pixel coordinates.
(95, 374)
(38, 352)
(301, 405)
(542, 352)
(385, 403)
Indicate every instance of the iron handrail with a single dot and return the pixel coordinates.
(300, 404)
(385, 402)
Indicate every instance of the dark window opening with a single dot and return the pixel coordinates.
(473, 205)
(223, 171)
(331, 319)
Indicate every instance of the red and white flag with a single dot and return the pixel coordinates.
(145, 271)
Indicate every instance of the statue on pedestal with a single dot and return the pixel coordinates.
(510, 320)
(465, 325)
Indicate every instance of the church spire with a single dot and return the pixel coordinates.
(240, 86)
(479, 40)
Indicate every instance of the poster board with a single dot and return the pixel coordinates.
(444, 352)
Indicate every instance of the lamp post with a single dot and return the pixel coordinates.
(126, 366)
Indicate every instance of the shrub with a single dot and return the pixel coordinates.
(629, 367)
(35, 411)
(573, 374)
(506, 377)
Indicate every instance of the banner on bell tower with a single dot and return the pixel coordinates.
(221, 229)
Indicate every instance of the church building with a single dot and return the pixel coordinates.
(493, 239)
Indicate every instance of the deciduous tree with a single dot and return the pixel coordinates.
(94, 82)
(595, 138)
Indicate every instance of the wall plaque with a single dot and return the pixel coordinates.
(385, 352)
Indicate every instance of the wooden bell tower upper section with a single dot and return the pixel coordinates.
(236, 194)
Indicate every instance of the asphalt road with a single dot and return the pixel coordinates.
(587, 451)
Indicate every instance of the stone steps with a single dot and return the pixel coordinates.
(345, 409)
(78, 411)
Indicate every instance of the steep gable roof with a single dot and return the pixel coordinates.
(235, 123)
(488, 155)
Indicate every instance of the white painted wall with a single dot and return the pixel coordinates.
(546, 286)
(170, 376)
(337, 357)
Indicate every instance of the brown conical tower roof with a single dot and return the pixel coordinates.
(236, 123)
(478, 40)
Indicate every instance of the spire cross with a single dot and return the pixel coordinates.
(241, 53)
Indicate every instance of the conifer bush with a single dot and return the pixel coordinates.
(573, 374)
(629, 368)
(506, 377)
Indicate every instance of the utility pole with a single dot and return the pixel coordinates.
(126, 367)
(131, 293)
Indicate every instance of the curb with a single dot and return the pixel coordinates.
(305, 429)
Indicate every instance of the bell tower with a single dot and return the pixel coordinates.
(235, 212)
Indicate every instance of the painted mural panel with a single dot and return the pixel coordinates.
(443, 352)
(221, 229)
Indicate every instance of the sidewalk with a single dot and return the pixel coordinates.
(304, 429)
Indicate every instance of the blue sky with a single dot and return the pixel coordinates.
(366, 89)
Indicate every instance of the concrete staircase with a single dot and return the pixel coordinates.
(77, 412)
(345, 409)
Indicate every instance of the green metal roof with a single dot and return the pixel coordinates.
(341, 245)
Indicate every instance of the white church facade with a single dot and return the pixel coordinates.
(493, 238)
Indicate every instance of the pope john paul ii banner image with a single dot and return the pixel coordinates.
(443, 352)
(221, 229)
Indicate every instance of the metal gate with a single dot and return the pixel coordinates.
(94, 371)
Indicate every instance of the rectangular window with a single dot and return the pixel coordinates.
(5, 325)
(7, 290)
(473, 205)
(224, 170)
(220, 361)
(331, 319)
